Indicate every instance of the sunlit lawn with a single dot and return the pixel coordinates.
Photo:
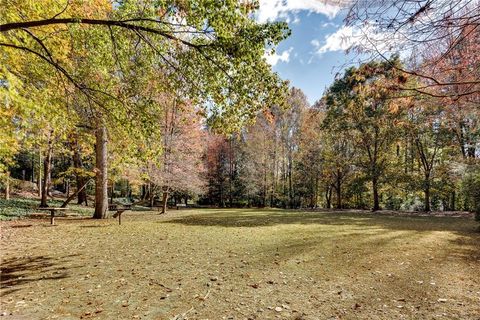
(242, 264)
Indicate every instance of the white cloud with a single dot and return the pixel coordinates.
(274, 58)
(315, 43)
(271, 10)
(329, 24)
(366, 39)
(343, 39)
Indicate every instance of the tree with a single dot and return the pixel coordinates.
(180, 167)
(311, 162)
(430, 134)
(360, 102)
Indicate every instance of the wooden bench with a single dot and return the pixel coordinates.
(119, 210)
(181, 205)
(52, 212)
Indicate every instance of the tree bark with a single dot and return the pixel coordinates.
(112, 191)
(78, 164)
(328, 197)
(452, 202)
(427, 193)
(46, 173)
(101, 179)
(67, 187)
(376, 202)
(39, 178)
(164, 201)
(7, 186)
(338, 189)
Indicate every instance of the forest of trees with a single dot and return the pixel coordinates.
(171, 108)
(355, 148)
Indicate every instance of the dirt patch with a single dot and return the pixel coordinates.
(241, 264)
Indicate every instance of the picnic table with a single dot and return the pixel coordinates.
(52, 212)
(119, 210)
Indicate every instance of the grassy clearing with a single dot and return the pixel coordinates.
(242, 264)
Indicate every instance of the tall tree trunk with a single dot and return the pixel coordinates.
(49, 193)
(427, 192)
(376, 202)
(165, 200)
(151, 194)
(101, 178)
(112, 191)
(7, 186)
(33, 168)
(67, 187)
(290, 183)
(328, 197)
(46, 173)
(230, 172)
(39, 172)
(264, 184)
(143, 192)
(452, 202)
(78, 164)
(338, 189)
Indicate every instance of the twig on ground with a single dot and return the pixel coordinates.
(182, 316)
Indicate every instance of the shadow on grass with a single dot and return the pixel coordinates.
(264, 218)
(21, 226)
(16, 272)
(96, 226)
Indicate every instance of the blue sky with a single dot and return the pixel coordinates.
(314, 53)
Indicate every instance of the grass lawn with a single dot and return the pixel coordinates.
(241, 264)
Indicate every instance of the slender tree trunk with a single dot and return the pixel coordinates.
(376, 202)
(46, 173)
(39, 172)
(427, 192)
(101, 179)
(290, 183)
(49, 193)
(328, 197)
(33, 168)
(164, 201)
(67, 187)
(453, 202)
(338, 189)
(112, 191)
(230, 172)
(7, 186)
(152, 199)
(78, 164)
(265, 185)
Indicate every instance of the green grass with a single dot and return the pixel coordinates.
(242, 264)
